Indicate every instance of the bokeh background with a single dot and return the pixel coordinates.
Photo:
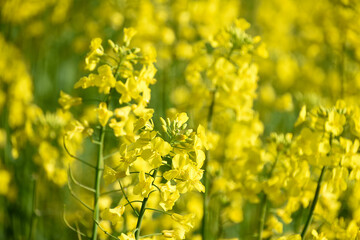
(312, 57)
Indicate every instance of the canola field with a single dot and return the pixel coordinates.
(180, 119)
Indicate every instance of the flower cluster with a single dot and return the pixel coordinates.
(150, 168)
(315, 169)
(228, 159)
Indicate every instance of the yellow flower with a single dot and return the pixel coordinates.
(122, 113)
(84, 83)
(158, 148)
(67, 101)
(118, 127)
(144, 187)
(176, 234)
(129, 33)
(317, 236)
(105, 225)
(127, 90)
(290, 237)
(186, 221)
(335, 123)
(105, 80)
(110, 175)
(104, 114)
(5, 181)
(129, 236)
(181, 119)
(113, 214)
(73, 128)
(96, 50)
(302, 116)
(169, 195)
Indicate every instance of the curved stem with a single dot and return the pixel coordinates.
(123, 191)
(75, 157)
(110, 155)
(99, 167)
(159, 211)
(151, 235)
(313, 204)
(72, 228)
(134, 201)
(106, 232)
(109, 192)
(78, 183)
(77, 198)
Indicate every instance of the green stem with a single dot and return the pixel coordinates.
(313, 204)
(99, 167)
(159, 211)
(142, 211)
(205, 219)
(33, 210)
(263, 204)
(262, 215)
(123, 191)
(151, 235)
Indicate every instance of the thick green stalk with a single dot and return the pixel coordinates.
(142, 211)
(313, 204)
(98, 173)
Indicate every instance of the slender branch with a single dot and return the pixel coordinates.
(157, 187)
(72, 228)
(148, 174)
(110, 155)
(151, 235)
(96, 142)
(75, 157)
(123, 191)
(99, 167)
(106, 232)
(77, 229)
(158, 210)
(78, 183)
(77, 198)
(112, 191)
(134, 201)
(313, 204)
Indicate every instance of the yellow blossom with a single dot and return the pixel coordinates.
(103, 114)
(335, 123)
(129, 33)
(169, 195)
(66, 101)
(113, 214)
(5, 181)
(144, 187)
(96, 50)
